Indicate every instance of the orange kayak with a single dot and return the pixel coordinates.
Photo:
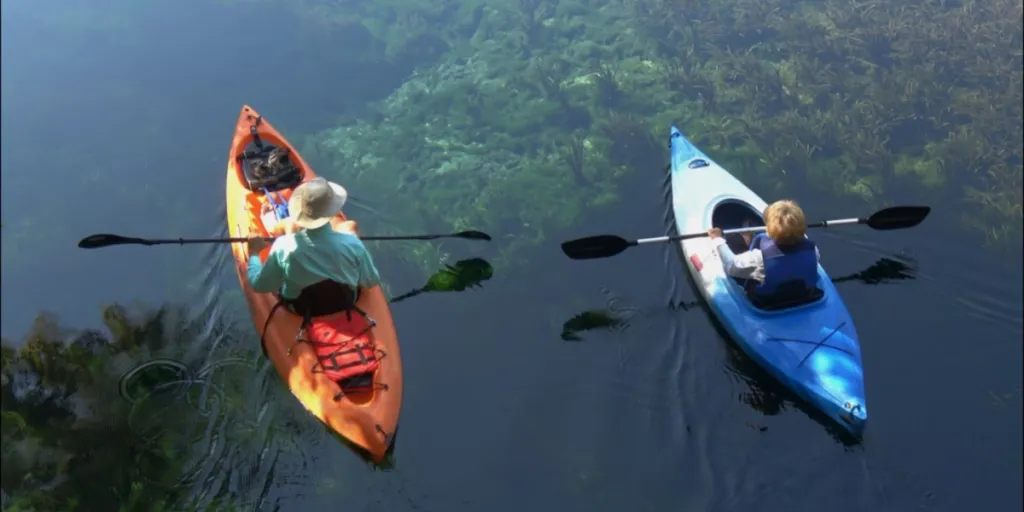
(367, 417)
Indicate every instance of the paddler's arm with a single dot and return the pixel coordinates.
(743, 266)
(265, 278)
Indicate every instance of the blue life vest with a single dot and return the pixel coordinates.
(799, 264)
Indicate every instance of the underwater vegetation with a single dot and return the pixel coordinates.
(115, 420)
(537, 108)
(867, 101)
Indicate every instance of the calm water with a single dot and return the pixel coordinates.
(118, 121)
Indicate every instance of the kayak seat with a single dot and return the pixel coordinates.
(267, 166)
(323, 298)
(344, 345)
(348, 358)
(787, 295)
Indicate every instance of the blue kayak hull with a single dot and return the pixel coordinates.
(813, 349)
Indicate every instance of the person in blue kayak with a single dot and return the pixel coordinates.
(318, 245)
(781, 263)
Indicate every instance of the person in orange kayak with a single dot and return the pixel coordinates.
(316, 244)
(782, 257)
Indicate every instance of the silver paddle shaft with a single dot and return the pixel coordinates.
(755, 229)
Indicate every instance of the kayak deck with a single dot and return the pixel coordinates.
(812, 347)
(367, 417)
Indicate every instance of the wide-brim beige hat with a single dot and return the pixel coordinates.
(315, 202)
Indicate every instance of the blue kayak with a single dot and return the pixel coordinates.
(809, 345)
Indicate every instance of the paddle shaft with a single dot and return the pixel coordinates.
(183, 241)
(603, 246)
(755, 229)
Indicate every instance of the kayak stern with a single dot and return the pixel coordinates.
(832, 377)
(813, 349)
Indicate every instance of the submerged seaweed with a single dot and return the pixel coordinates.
(538, 107)
(131, 418)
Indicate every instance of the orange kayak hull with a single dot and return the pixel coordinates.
(367, 419)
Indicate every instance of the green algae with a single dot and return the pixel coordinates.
(535, 116)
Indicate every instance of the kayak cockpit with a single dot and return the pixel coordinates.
(268, 167)
(732, 214)
(269, 172)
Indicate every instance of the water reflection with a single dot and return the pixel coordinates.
(763, 392)
(824, 120)
(611, 319)
(883, 271)
(590, 320)
(64, 429)
(766, 395)
(133, 419)
(463, 275)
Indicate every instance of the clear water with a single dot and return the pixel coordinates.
(116, 118)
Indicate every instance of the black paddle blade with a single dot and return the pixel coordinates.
(106, 240)
(473, 235)
(600, 246)
(898, 217)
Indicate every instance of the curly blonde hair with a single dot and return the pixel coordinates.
(785, 222)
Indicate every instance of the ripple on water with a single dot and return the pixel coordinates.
(979, 284)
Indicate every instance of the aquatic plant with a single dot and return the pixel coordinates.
(56, 457)
(607, 88)
(865, 100)
(530, 24)
(632, 143)
(91, 422)
(575, 154)
(481, 133)
(861, 101)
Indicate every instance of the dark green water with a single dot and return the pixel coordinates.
(117, 119)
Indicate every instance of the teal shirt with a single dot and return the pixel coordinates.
(309, 256)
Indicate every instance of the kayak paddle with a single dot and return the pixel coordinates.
(106, 240)
(604, 246)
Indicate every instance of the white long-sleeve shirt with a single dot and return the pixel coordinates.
(748, 265)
